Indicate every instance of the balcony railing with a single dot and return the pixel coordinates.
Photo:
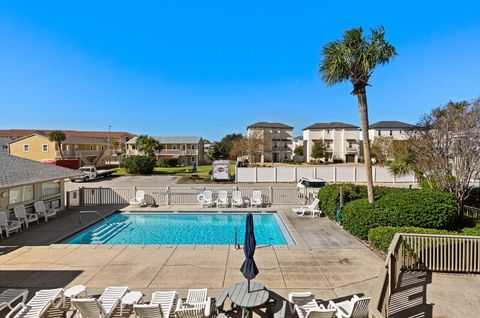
(351, 149)
(167, 152)
(79, 153)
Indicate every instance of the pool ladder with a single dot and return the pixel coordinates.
(83, 212)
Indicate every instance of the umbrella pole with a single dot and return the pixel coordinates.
(248, 288)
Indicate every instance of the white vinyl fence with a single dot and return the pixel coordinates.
(181, 195)
(328, 173)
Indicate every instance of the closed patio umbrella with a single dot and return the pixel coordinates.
(249, 268)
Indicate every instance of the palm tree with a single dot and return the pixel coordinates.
(353, 58)
(148, 145)
(57, 136)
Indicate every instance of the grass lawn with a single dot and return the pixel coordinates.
(183, 172)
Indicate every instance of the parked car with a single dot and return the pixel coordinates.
(305, 183)
(91, 173)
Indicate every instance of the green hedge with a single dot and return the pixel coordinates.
(381, 236)
(329, 195)
(417, 208)
(139, 164)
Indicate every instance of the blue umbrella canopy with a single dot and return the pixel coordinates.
(249, 268)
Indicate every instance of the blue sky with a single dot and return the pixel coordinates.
(212, 67)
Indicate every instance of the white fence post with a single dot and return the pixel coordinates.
(334, 174)
(354, 174)
(314, 174)
(256, 174)
(168, 195)
(271, 195)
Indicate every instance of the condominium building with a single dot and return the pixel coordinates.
(341, 140)
(187, 149)
(396, 130)
(38, 147)
(277, 140)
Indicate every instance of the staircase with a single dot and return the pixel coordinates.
(104, 233)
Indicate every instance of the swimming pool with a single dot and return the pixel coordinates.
(183, 228)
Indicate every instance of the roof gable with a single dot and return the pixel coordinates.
(264, 124)
(331, 125)
(390, 124)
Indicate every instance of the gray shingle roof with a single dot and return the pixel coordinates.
(390, 124)
(15, 171)
(263, 124)
(331, 125)
(171, 140)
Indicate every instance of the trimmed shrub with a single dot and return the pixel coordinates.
(382, 236)
(167, 162)
(417, 208)
(139, 164)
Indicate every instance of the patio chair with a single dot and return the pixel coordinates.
(355, 308)
(102, 307)
(205, 199)
(160, 306)
(237, 200)
(139, 199)
(43, 212)
(312, 208)
(222, 200)
(196, 298)
(305, 305)
(7, 225)
(190, 313)
(9, 296)
(256, 199)
(38, 305)
(23, 217)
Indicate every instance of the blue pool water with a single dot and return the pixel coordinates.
(183, 228)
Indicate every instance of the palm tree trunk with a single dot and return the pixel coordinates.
(362, 108)
(60, 150)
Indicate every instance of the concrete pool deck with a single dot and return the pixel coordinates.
(326, 260)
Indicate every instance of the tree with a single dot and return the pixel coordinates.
(381, 149)
(57, 136)
(446, 148)
(319, 149)
(298, 151)
(148, 145)
(222, 148)
(353, 59)
(253, 147)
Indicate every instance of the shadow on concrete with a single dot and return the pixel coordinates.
(37, 279)
(410, 297)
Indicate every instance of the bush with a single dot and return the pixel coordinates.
(401, 207)
(139, 164)
(382, 236)
(168, 162)
(329, 195)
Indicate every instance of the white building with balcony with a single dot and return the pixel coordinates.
(342, 141)
(277, 140)
(396, 130)
(186, 149)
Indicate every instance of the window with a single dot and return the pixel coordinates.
(379, 132)
(26, 148)
(20, 194)
(45, 148)
(174, 147)
(50, 188)
(193, 159)
(193, 147)
(391, 132)
(328, 131)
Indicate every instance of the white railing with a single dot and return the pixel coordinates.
(423, 252)
(180, 152)
(78, 153)
(180, 195)
(471, 211)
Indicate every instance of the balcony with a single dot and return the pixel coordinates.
(79, 153)
(178, 152)
(352, 149)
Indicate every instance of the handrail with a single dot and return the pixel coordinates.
(83, 212)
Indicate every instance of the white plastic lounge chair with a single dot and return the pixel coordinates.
(237, 200)
(38, 305)
(7, 225)
(256, 199)
(102, 307)
(312, 208)
(205, 198)
(139, 199)
(190, 313)
(43, 212)
(10, 296)
(160, 305)
(23, 217)
(305, 305)
(355, 308)
(196, 298)
(222, 200)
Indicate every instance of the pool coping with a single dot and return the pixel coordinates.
(284, 229)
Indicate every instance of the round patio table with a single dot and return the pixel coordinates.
(248, 299)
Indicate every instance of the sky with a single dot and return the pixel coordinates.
(208, 68)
